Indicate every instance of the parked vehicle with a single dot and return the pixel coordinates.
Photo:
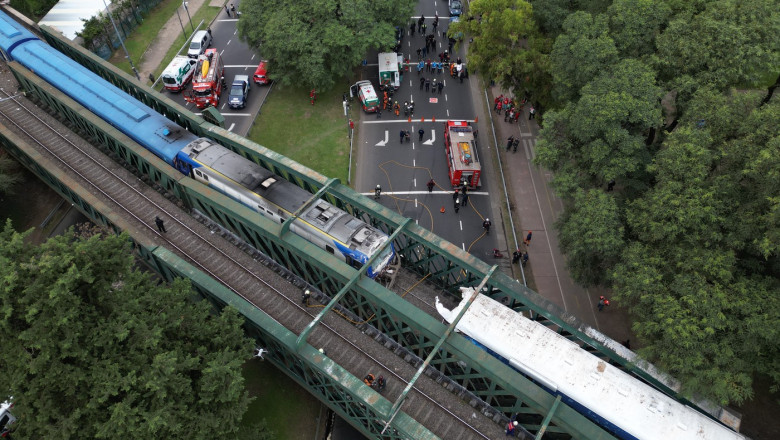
(178, 73)
(462, 159)
(367, 95)
(200, 42)
(6, 418)
(390, 70)
(456, 8)
(207, 81)
(238, 91)
(261, 76)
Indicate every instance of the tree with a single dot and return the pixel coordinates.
(584, 49)
(9, 177)
(591, 234)
(314, 43)
(93, 348)
(634, 25)
(730, 43)
(604, 131)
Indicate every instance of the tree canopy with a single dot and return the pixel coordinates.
(314, 43)
(645, 93)
(93, 348)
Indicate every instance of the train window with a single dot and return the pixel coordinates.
(330, 249)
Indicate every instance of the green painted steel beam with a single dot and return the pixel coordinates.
(357, 276)
(547, 418)
(402, 397)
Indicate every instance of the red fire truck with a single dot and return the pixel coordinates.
(207, 80)
(462, 157)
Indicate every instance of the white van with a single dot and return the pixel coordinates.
(200, 41)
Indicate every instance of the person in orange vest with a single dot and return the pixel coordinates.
(369, 379)
(510, 428)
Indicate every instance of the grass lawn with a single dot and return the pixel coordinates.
(281, 402)
(314, 135)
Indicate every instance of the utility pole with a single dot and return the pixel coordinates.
(188, 15)
(122, 42)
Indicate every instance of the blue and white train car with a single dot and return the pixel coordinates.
(323, 224)
(621, 404)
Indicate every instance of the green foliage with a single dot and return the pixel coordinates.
(93, 348)
(583, 50)
(689, 240)
(35, 9)
(507, 47)
(9, 177)
(316, 42)
(591, 235)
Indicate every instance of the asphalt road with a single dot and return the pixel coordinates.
(403, 169)
(239, 59)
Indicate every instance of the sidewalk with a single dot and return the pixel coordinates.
(154, 55)
(535, 208)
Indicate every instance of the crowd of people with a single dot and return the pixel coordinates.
(512, 108)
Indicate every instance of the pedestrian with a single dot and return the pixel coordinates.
(424, 28)
(527, 240)
(455, 194)
(411, 29)
(497, 101)
(531, 113)
(420, 22)
(610, 185)
(434, 86)
(369, 379)
(208, 29)
(509, 141)
(428, 65)
(422, 81)
(510, 428)
(408, 136)
(427, 84)
(403, 135)
(507, 115)
(233, 10)
(457, 205)
(515, 144)
(435, 24)
(518, 112)
(160, 224)
(380, 383)
(465, 199)
(486, 225)
(419, 54)
(603, 302)
(525, 258)
(498, 107)
(397, 108)
(627, 343)
(440, 86)
(425, 51)
(462, 74)
(227, 10)
(377, 192)
(305, 297)
(431, 184)
(516, 256)
(421, 132)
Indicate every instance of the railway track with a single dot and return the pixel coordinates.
(428, 402)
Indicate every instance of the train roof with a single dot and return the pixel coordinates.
(140, 122)
(12, 34)
(561, 365)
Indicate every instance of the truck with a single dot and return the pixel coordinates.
(207, 81)
(390, 70)
(460, 146)
(178, 73)
(6, 419)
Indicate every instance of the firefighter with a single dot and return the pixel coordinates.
(369, 379)
(486, 224)
(377, 192)
(397, 108)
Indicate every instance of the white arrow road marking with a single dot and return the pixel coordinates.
(384, 142)
(431, 140)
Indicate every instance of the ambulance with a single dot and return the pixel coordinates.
(178, 73)
(367, 95)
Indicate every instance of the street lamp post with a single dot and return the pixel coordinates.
(181, 23)
(127, 54)
(188, 15)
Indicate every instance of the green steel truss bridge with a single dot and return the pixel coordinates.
(440, 385)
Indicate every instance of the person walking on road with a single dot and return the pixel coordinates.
(233, 10)
(457, 205)
(531, 113)
(509, 141)
(431, 184)
(403, 135)
(465, 199)
(440, 86)
(455, 194)
(516, 256)
(603, 302)
(525, 258)
(421, 132)
(515, 144)
(227, 10)
(160, 224)
(527, 240)
(411, 31)
(427, 84)
(486, 225)
(422, 81)
(305, 297)
(408, 136)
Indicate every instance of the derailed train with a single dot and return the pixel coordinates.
(623, 405)
(270, 195)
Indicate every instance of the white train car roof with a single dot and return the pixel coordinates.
(562, 366)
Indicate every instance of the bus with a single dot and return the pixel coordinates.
(462, 157)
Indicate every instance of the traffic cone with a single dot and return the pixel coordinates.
(476, 119)
(442, 209)
(433, 119)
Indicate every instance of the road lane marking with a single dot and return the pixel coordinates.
(384, 142)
